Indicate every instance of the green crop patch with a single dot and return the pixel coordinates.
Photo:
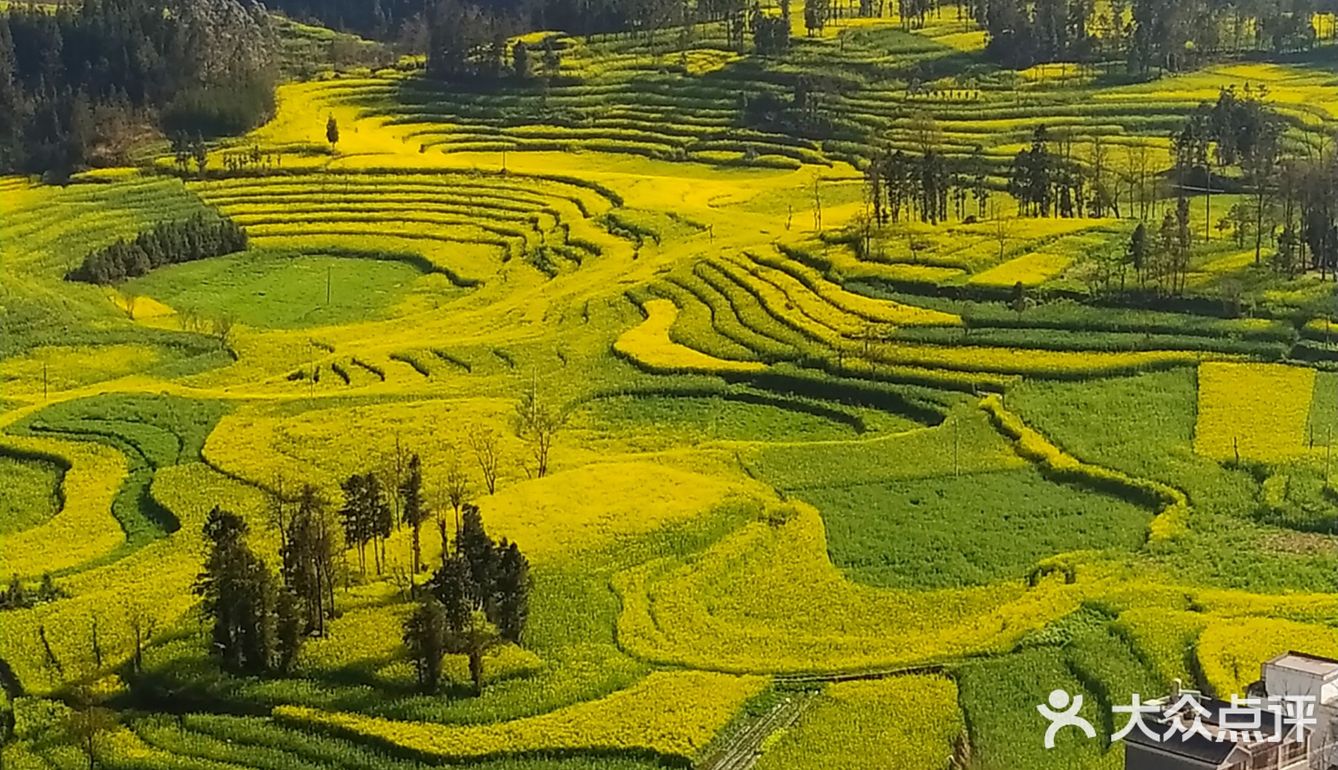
(972, 529)
(693, 419)
(999, 699)
(291, 291)
(32, 492)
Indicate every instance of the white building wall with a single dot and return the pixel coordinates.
(1283, 681)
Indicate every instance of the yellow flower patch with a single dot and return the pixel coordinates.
(1253, 411)
(1031, 269)
(1231, 650)
(669, 713)
(649, 346)
(84, 529)
(61, 367)
(767, 599)
(594, 505)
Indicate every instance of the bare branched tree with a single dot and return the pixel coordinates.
(486, 445)
(537, 423)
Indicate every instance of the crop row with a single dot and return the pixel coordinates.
(649, 346)
(590, 196)
(115, 595)
(869, 309)
(904, 722)
(209, 742)
(628, 102)
(1066, 340)
(1068, 315)
(780, 307)
(304, 196)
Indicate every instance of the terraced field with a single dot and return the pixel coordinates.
(822, 493)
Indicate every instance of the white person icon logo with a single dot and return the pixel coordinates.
(1063, 712)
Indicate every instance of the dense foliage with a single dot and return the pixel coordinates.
(79, 86)
(411, 21)
(239, 596)
(1148, 34)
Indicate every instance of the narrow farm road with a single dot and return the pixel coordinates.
(741, 751)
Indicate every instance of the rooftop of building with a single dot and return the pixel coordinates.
(1213, 749)
(1307, 664)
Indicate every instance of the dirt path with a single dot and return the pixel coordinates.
(741, 751)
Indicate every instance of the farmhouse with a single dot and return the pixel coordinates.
(1269, 743)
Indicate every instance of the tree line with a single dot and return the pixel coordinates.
(923, 185)
(466, 40)
(412, 22)
(1045, 179)
(1147, 34)
(1284, 197)
(79, 83)
(1288, 189)
(1283, 204)
(200, 237)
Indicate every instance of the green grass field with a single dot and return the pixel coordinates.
(287, 291)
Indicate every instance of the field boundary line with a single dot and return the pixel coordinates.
(1171, 503)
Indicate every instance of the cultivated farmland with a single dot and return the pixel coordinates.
(759, 408)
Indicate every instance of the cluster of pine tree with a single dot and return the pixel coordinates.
(254, 631)
(199, 237)
(260, 620)
(309, 545)
(477, 599)
(367, 517)
(80, 82)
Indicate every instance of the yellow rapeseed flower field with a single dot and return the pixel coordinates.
(605, 237)
(648, 345)
(768, 599)
(1029, 270)
(671, 714)
(594, 505)
(1230, 651)
(117, 592)
(62, 367)
(1253, 411)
